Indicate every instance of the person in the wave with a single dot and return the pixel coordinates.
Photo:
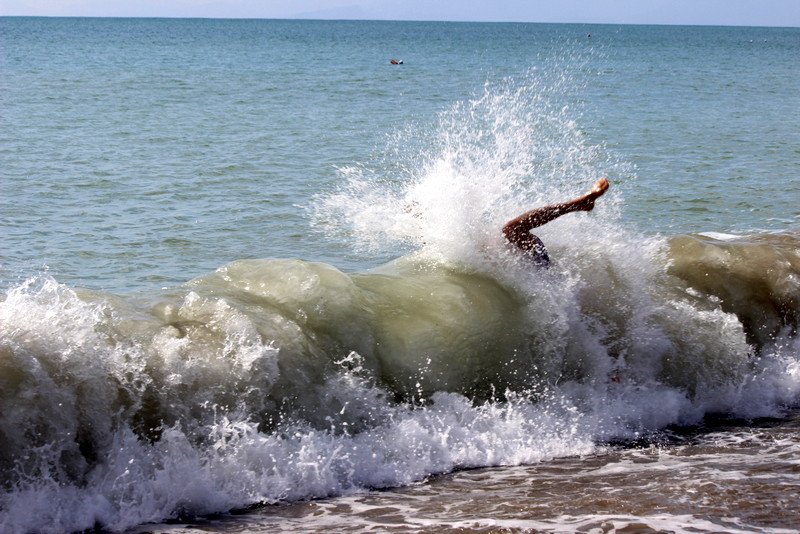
(518, 230)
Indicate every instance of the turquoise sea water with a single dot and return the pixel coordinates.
(250, 264)
(138, 153)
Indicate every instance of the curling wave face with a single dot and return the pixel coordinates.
(276, 379)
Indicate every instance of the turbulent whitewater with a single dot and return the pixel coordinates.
(281, 379)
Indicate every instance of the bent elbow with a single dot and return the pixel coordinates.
(512, 235)
(512, 231)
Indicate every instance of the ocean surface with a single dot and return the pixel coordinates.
(253, 278)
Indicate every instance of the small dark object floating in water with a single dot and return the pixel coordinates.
(396, 62)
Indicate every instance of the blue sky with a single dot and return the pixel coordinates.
(717, 12)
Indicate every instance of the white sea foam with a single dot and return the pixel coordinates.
(512, 147)
(218, 459)
(719, 236)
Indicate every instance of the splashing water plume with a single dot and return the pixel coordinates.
(487, 160)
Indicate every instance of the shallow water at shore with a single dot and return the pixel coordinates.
(727, 476)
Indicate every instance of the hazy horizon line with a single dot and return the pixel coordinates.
(321, 19)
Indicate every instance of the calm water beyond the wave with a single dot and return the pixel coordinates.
(253, 280)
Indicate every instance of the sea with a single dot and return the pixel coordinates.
(253, 277)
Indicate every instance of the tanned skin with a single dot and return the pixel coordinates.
(518, 230)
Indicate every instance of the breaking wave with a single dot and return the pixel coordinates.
(274, 380)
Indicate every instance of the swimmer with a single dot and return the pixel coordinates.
(518, 230)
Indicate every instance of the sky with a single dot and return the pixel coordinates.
(705, 12)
